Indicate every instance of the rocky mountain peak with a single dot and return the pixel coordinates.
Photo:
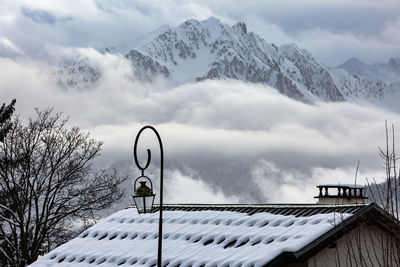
(354, 66)
(351, 63)
(240, 27)
(353, 60)
(212, 20)
(394, 63)
(210, 49)
(190, 22)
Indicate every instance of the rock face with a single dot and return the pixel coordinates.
(388, 72)
(145, 68)
(198, 50)
(379, 82)
(209, 49)
(78, 74)
(394, 64)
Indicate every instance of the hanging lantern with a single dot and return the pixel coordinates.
(143, 195)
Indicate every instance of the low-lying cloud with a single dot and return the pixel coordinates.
(224, 141)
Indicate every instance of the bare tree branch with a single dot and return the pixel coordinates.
(47, 182)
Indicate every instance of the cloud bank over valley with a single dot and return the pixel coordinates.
(225, 141)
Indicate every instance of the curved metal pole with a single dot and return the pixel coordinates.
(161, 181)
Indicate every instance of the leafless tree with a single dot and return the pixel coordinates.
(48, 185)
(368, 245)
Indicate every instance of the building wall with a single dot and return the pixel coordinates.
(340, 200)
(367, 245)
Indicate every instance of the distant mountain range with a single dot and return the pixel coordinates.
(209, 49)
(388, 72)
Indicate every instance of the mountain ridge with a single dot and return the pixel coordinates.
(209, 49)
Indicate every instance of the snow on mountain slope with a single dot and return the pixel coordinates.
(388, 72)
(213, 50)
(313, 75)
(78, 73)
(378, 83)
(209, 49)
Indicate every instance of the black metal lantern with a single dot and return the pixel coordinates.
(143, 195)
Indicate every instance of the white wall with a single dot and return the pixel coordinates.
(367, 245)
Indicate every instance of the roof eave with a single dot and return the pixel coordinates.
(369, 213)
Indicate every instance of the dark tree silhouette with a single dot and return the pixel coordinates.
(48, 186)
(5, 118)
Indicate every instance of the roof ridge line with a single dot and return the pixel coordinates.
(255, 205)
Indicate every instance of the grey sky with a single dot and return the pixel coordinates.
(331, 30)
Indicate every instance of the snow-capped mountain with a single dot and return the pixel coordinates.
(78, 73)
(388, 72)
(209, 49)
(379, 82)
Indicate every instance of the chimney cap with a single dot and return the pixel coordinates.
(345, 194)
(341, 185)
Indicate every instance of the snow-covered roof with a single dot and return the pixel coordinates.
(191, 238)
(298, 210)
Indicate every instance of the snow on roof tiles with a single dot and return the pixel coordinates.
(195, 238)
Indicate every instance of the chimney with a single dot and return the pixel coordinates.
(341, 194)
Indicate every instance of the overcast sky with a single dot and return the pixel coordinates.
(332, 30)
(225, 141)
